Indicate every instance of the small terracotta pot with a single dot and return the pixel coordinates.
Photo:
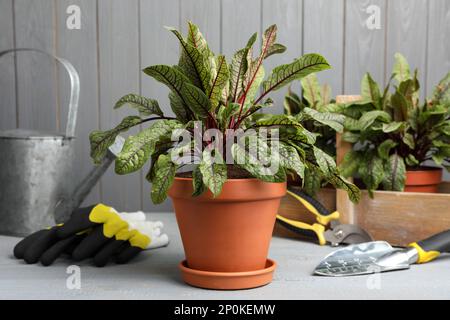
(229, 233)
(423, 179)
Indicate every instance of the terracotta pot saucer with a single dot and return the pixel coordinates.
(228, 280)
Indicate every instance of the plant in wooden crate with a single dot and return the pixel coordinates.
(315, 110)
(225, 215)
(395, 133)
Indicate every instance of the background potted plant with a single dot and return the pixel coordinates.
(313, 107)
(394, 134)
(225, 208)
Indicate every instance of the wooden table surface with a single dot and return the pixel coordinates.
(154, 275)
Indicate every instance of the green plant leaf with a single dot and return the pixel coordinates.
(350, 163)
(178, 107)
(252, 156)
(371, 171)
(226, 112)
(101, 140)
(301, 67)
(441, 93)
(197, 182)
(145, 106)
(276, 48)
(214, 173)
(370, 90)
(325, 162)
(394, 173)
(332, 120)
(351, 137)
(188, 94)
(411, 161)
(385, 147)
(292, 103)
(238, 68)
(326, 95)
(277, 120)
(311, 90)
(410, 90)
(351, 124)
(401, 69)
(353, 192)
(393, 126)
(197, 100)
(312, 180)
(268, 41)
(137, 149)
(164, 174)
(297, 134)
(408, 139)
(196, 39)
(368, 118)
(400, 107)
(291, 160)
(441, 154)
(219, 81)
(193, 63)
(254, 87)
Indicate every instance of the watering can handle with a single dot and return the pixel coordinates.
(74, 87)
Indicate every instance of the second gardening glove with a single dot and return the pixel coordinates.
(97, 231)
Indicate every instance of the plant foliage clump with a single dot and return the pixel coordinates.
(315, 110)
(210, 92)
(394, 130)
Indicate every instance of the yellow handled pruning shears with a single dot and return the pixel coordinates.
(336, 234)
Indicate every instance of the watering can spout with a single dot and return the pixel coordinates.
(65, 207)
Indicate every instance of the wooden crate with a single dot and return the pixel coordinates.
(293, 209)
(396, 217)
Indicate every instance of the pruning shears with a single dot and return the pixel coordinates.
(327, 229)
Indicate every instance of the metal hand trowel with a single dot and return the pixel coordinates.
(380, 256)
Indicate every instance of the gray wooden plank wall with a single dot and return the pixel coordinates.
(118, 38)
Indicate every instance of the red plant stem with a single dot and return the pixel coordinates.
(244, 96)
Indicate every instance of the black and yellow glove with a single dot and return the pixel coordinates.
(97, 231)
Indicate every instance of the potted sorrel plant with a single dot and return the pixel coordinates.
(226, 203)
(395, 134)
(315, 110)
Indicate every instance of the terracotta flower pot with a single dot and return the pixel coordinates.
(230, 233)
(423, 179)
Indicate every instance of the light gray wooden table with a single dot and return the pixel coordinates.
(154, 275)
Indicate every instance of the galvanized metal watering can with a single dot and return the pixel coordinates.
(36, 170)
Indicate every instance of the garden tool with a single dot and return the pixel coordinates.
(37, 169)
(379, 256)
(97, 231)
(336, 234)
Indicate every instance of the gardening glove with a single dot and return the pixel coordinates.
(45, 245)
(129, 242)
(97, 231)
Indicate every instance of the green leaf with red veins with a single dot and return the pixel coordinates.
(285, 74)
(394, 174)
(401, 68)
(219, 81)
(254, 88)
(101, 140)
(311, 90)
(164, 174)
(269, 37)
(370, 91)
(145, 106)
(193, 63)
(214, 171)
(276, 48)
(197, 40)
(238, 68)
